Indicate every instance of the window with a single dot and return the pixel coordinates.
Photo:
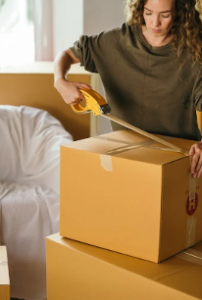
(16, 32)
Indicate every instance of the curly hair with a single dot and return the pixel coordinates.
(186, 29)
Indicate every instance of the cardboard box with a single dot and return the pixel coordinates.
(78, 271)
(4, 275)
(119, 191)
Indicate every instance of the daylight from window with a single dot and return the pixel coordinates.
(16, 32)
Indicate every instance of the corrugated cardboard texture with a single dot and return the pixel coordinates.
(131, 200)
(175, 233)
(96, 214)
(37, 90)
(78, 271)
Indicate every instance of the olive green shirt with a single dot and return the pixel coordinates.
(148, 87)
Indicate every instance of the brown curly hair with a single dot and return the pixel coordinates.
(186, 29)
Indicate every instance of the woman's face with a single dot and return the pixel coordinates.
(159, 16)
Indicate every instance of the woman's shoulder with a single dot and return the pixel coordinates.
(124, 31)
(114, 37)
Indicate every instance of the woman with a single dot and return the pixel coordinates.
(150, 68)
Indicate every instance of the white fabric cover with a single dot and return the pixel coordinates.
(29, 214)
(29, 145)
(30, 142)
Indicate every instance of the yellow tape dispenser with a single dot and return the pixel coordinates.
(93, 102)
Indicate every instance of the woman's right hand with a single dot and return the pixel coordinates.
(69, 90)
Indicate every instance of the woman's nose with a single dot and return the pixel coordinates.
(156, 21)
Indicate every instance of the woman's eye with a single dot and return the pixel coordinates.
(148, 14)
(165, 16)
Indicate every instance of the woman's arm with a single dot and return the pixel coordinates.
(69, 90)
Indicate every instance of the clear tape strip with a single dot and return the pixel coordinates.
(192, 256)
(110, 139)
(191, 231)
(106, 162)
(106, 158)
(192, 184)
(144, 133)
(191, 222)
(131, 146)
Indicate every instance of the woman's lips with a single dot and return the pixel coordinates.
(156, 30)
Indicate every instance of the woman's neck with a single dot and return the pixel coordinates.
(156, 41)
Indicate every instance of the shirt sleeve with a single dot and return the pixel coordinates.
(198, 92)
(82, 49)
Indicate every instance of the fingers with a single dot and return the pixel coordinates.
(84, 85)
(196, 164)
(70, 90)
(199, 173)
(79, 97)
(75, 96)
(192, 150)
(72, 100)
(76, 101)
(199, 164)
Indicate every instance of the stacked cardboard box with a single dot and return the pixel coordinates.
(125, 193)
(77, 271)
(4, 275)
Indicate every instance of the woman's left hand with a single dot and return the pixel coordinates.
(196, 165)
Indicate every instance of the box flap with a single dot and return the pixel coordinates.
(133, 146)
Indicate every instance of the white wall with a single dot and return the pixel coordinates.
(99, 16)
(43, 19)
(75, 17)
(67, 23)
(71, 18)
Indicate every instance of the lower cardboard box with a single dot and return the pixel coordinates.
(126, 193)
(78, 271)
(4, 275)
